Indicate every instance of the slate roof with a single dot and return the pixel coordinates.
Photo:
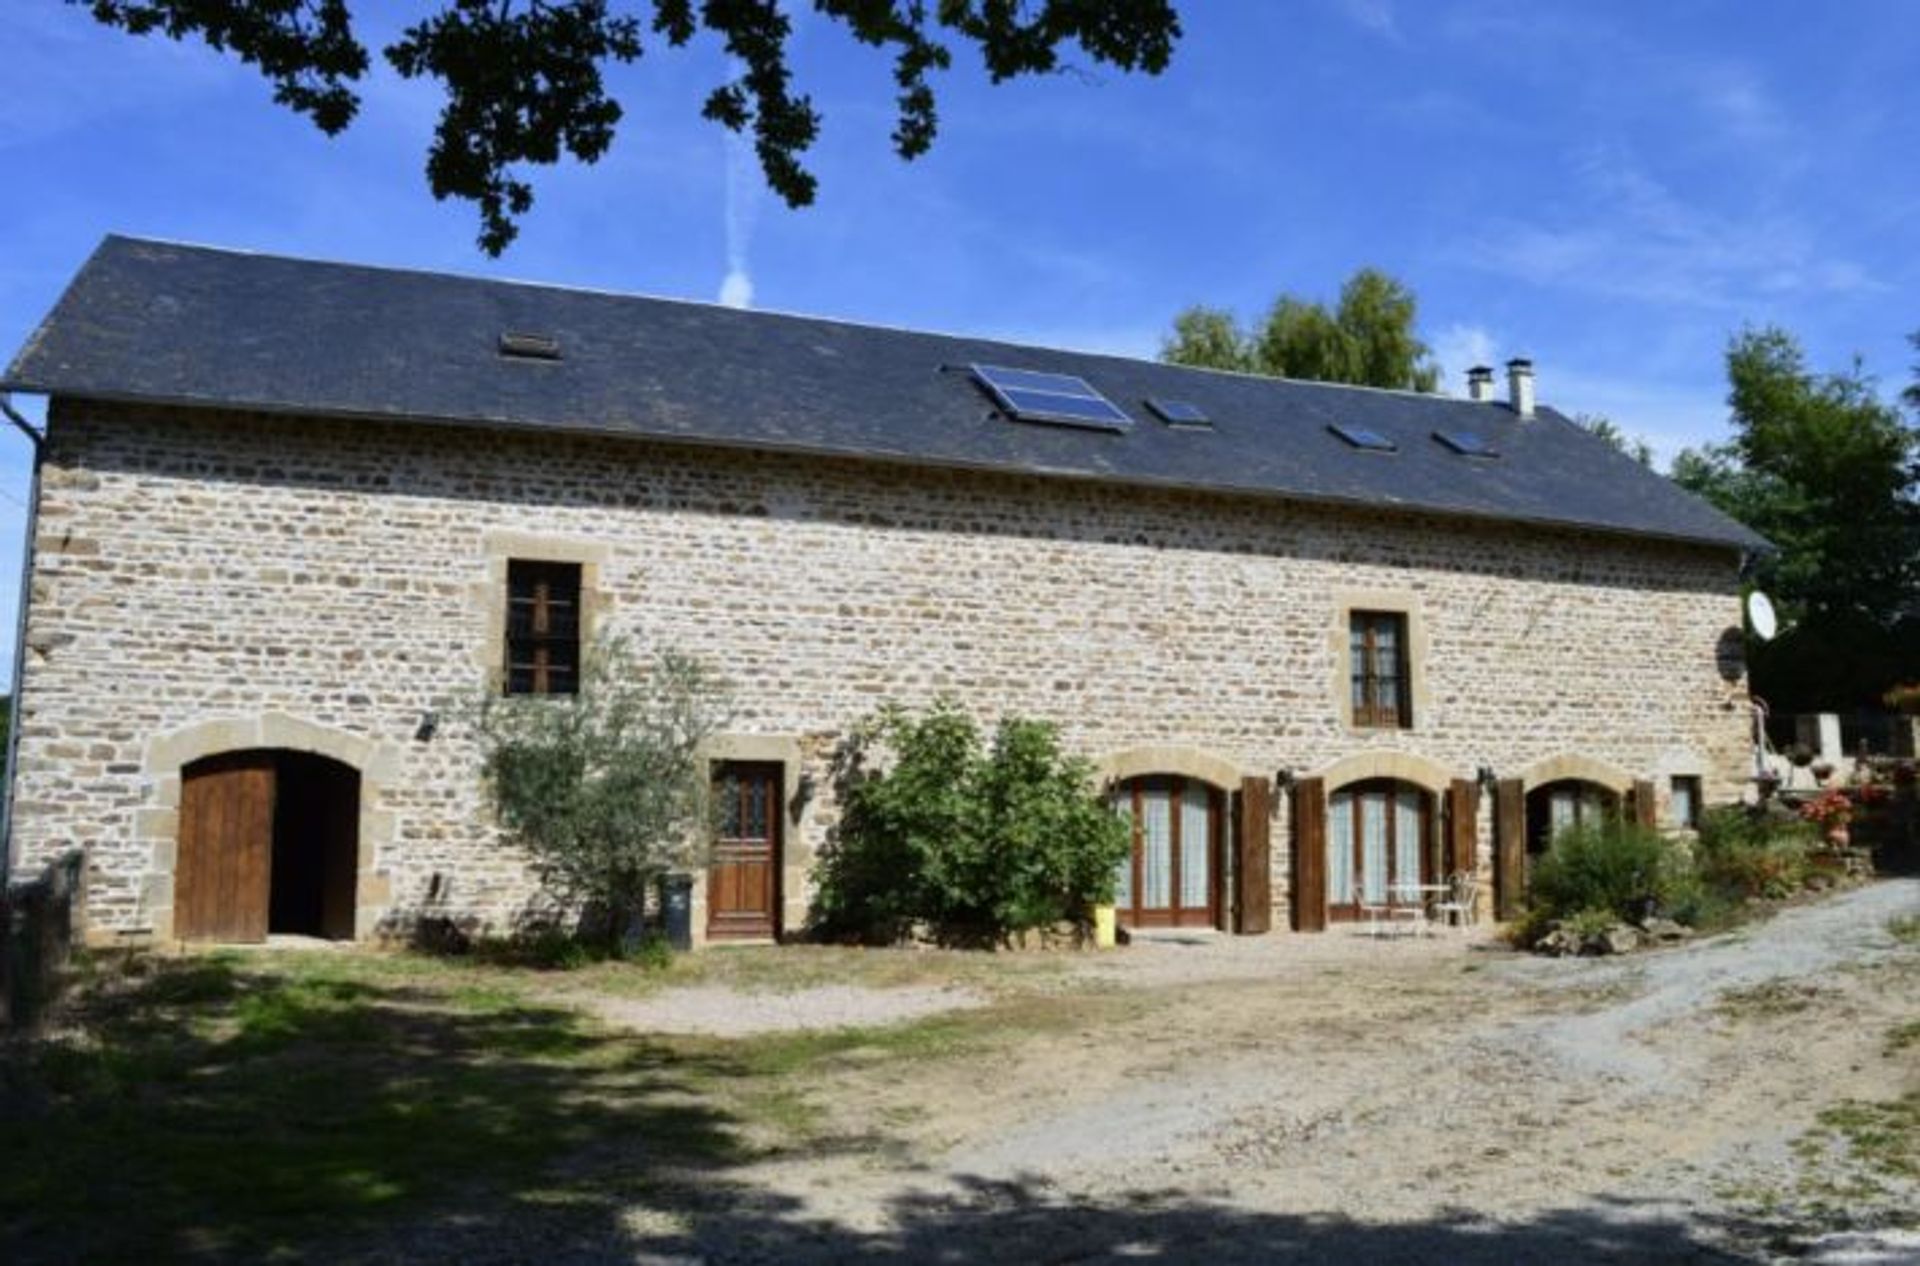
(181, 325)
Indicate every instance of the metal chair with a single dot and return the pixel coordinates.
(1462, 900)
(1378, 914)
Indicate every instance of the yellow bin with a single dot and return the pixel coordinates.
(1103, 927)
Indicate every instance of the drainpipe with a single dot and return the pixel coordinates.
(39, 442)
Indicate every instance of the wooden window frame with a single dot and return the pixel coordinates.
(548, 648)
(1368, 712)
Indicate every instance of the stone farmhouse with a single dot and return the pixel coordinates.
(1318, 639)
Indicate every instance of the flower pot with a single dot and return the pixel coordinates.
(1103, 925)
(1821, 772)
(1839, 837)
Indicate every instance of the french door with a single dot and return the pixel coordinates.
(1171, 878)
(1378, 837)
(743, 879)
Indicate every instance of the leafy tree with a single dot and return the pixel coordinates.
(1601, 427)
(979, 842)
(524, 78)
(605, 790)
(1367, 338)
(1830, 474)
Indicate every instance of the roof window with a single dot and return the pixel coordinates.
(519, 345)
(1363, 437)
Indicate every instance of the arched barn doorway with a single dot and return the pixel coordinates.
(1171, 879)
(1379, 836)
(1553, 807)
(269, 843)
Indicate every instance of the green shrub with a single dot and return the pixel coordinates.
(1747, 852)
(1619, 867)
(979, 841)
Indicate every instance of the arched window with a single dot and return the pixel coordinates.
(1172, 876)
(1555, 806)
(1379, 839)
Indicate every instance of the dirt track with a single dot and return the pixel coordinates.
(1402, 1085)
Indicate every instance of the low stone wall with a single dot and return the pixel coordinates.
(39, 923)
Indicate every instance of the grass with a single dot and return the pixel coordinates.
(246, 1104)
(1767, 1000)
(1905, 929)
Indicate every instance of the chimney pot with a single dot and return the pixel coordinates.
(1480, 384)
(1520, 386)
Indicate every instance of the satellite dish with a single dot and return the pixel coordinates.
(1760, 616)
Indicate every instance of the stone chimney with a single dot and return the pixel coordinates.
(1520, 386)
(1480, 384)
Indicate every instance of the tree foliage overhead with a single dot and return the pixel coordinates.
(524, 79)
(1367, 338)
(1830, 473)
(1605, 428)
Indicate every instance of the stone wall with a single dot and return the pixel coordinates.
(337, 580)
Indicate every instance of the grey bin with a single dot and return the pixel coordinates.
(676, 910)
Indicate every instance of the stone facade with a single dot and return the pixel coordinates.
(323, 584)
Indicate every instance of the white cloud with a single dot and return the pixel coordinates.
(1375, 15)
(1460, 347)
(742, 209)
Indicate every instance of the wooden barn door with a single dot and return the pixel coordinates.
(222, 876)
(743, 882)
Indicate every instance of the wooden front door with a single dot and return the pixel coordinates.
(223, 873)
(743, 882)
(1171, 877)
(1377, 836)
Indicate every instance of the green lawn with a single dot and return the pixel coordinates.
(248, 1105)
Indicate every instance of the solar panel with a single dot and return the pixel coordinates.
(1179, 412)
(1036, 397)
(1466, 443)
(1363, 437)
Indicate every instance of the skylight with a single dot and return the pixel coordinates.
(1466, 443)
(1363, 437)
(1179, 412)
(1064, 399)
(518, 345)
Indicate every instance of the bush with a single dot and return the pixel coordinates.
(1747, 852)
(979, 842)
(1620, 867)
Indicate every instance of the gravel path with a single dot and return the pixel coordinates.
(722, 1012)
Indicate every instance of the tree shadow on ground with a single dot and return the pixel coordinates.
(216, 1108)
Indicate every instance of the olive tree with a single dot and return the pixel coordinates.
(605, 789)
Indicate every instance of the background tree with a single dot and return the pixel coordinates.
(1602, 427)
(1367, 338)
(524, 78)
(606, 790)
(1831, 475)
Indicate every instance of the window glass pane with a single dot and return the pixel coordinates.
(726, 796)
(1196, 846)
(1373, 845)
(1406, 837)
(1123, 893)
(754, 810)
(1562, 809)
(1156, 845)
(1685, 802)
(1340, 849)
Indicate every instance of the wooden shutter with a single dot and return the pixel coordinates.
(1645, 809)
(223, 869)
(1309, 853)
(1463, 825)
(1252, 873)
(1509, 847)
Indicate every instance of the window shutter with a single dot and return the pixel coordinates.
(1309, 852)
(1644, 806)
(1463, 825)
(1252, 874)
(1509, 847)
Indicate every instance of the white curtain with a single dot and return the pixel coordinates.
(1156, 845)
(1406, 836)
(1340, 849)
(1373, 845)
(1196, 846)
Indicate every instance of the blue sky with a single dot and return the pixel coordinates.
(1610, 188)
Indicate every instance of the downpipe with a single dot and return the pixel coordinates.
(39, 441)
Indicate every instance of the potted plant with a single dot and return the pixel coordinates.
(1822, 771)
(1832, 812)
